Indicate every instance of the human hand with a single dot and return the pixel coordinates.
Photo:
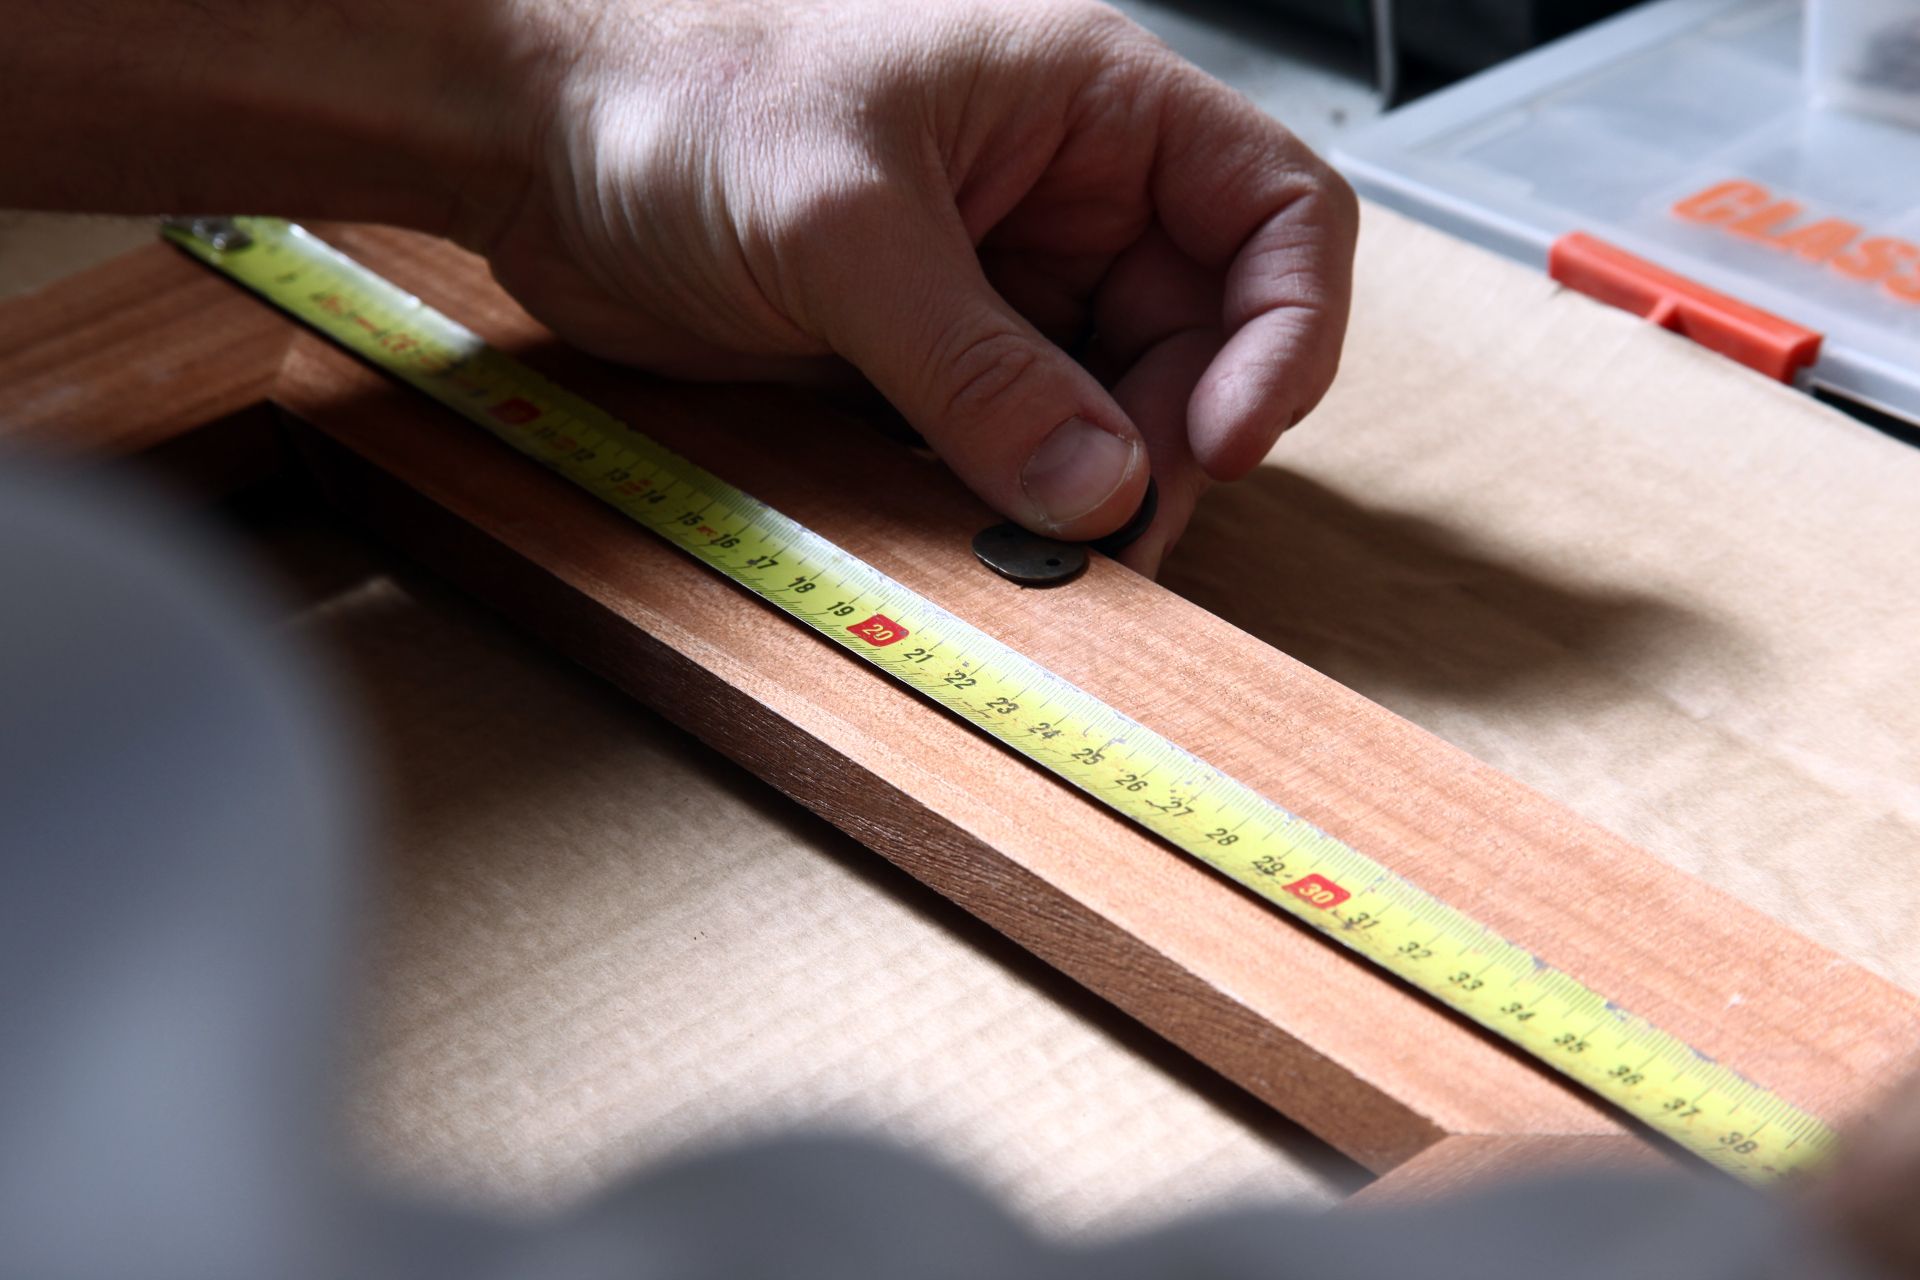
(950, 197)
(1868, 1195)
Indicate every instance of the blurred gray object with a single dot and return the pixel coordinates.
(1612, 132)
(177, 839)
(1418, 45)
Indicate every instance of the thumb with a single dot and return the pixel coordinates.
(1017, 419)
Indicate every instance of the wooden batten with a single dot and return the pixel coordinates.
(151, 349)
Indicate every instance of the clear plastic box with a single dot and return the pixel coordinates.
(1864, 56)
(1685, 133)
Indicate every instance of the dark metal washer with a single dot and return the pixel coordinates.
(1036, 561)
(1028, 558)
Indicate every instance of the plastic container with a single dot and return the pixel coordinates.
(1682, 136)
(1864, 56)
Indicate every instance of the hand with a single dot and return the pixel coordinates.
(949, 196)
(957, 199)
(1869, 1194)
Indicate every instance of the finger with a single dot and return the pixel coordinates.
(1157, 314)
(1052, 290)
(1236, 190)
(1155, 392)
(1867, 1192)
(1025, 426)
(1152, 292)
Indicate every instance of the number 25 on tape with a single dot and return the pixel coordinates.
(879, 630)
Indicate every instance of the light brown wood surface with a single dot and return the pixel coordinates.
(1376, 1071)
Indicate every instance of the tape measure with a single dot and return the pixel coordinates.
(1702, 1106)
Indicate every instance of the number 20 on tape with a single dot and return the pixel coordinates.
(879, 631)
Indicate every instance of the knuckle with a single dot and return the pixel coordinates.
(1117, 47)
(805, 232)
(1097, 20)
(1341, 204)
(1055, 34)
(828, 202)
(982, 370)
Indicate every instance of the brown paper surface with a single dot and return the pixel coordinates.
(1674, 596)
(1659, 588)
(602, 944)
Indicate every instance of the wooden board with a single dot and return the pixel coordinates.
(1377, 1071)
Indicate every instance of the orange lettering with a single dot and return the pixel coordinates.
(1723, 201)
(1874, 258)
(1904, 287)
(1760, 223)
(1751, 211)
(1818, 241)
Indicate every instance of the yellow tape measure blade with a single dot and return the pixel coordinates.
(1652, 1076)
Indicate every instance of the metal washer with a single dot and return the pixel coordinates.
(1028, 558)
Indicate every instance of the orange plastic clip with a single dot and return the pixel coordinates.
(1758, 339)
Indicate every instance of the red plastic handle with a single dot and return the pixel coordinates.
(1758, 339)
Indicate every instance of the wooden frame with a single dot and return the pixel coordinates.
(154, 355)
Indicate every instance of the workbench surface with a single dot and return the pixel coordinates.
(1669, 594)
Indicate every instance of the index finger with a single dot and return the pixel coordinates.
(1236, 190)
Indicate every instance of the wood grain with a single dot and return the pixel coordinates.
(137, 356)
(1374, 1069)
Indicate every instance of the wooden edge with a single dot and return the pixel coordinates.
(1353, 1057)
(1293, 1019)
(1464, 1162)
(1271, 1060)
(147, 354)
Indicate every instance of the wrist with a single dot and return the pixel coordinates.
(416, 113)
(622, 100)
(413, 113)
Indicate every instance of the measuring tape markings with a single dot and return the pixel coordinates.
(1703, 1106)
